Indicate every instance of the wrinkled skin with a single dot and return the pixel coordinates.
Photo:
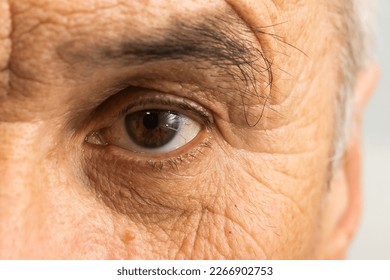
(234, 191)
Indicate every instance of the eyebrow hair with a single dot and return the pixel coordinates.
(219, 39)
(212, 39)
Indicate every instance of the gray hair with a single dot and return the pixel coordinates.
(357, 31)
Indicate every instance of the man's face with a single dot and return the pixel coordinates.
(149, 129)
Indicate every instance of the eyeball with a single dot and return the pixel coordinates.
(158, 131)
(153, 131)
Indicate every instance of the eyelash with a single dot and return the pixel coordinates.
(183, 105)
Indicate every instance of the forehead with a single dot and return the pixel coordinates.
(84, 16)
(45, 24)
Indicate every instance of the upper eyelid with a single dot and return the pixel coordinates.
(184, 106)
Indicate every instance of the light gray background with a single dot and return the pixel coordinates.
(373, 238)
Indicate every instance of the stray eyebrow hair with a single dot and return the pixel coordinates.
(221, 40)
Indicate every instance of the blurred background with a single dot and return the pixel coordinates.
(373, 237)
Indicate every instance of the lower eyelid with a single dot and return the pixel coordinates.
(175, 162)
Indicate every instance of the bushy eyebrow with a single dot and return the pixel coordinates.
(219, 40)
(211, 39)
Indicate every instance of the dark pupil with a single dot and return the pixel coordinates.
(151, 120)
(152, 128)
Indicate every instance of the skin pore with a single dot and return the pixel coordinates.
(258, 77)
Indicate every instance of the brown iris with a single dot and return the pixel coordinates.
(152, 128)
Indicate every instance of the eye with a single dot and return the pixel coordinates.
(158, 131)
(149, 131)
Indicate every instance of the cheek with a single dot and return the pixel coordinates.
(276, 211)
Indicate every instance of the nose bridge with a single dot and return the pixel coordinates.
(18, 187)
(5, 45)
